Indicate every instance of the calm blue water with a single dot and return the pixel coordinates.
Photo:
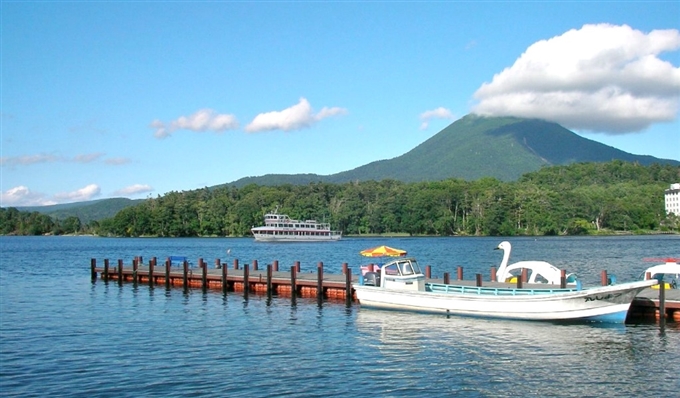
(61, 335)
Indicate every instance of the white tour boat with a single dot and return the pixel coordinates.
(281, 228)
(400, 285)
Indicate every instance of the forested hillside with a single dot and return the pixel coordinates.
(584, 198)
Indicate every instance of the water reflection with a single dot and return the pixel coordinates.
(572, 359)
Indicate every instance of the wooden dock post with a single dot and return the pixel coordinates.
(460, 273)
(185, 276)
(255, 265)
(297, 266)
(563, 279)
(120, 271)
(204, 274)
(525, 275)
(135, 267)
(348, 287)
(428, 271)
(446, 278)
(246, 268)
(152, 264)
(662, 303)
(106, 270)
(168, 263)
(269, 281)
(225, 284)
(93, 267)
(344, 268)
(519, 282)
(478, 278)
(604, 279)
(319, 282)
(276, 266)
(236, 263)
(494, 278)
(293, 287)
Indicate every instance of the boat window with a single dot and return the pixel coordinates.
(406, 268)
(416, 267)
(391, 269)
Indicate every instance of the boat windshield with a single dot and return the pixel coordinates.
(403, 267)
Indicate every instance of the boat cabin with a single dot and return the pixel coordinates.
(668, 273)
(401, 274)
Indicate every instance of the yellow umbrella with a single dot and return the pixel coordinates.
(382, 251)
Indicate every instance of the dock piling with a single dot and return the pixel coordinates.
(319, 282)
(168, 263)
(246, 269)
(152, 263)
(348, 287)
(135, 268)
(93, 267)
(120, 271)
(204, 275)
(185, 275)
(269, 281)
(106, 270)
(460, 273)
(293, 287)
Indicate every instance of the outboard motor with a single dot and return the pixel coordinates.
(372, 279)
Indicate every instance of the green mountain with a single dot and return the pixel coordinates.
(93, 210)
(474, 147)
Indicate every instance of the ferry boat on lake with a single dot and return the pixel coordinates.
(281, 228)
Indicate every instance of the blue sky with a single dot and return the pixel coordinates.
(137, 99)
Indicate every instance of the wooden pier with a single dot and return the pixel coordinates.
(648, 305)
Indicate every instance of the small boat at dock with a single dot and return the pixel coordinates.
(400, 285)
(668, 272)
(281, 228)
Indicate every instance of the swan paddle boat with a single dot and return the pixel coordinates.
(667, 273)
(400, 285)
(537, 271)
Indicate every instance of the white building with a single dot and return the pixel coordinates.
(673, 200)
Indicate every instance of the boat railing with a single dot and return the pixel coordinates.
(492, 291)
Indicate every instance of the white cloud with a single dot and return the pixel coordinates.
(22, 196)
(296, 117)
(87, 193)
(117, 161)
(28, 159)
(88, 157)
(603, 78)
(438, 113)
(202, 120)
(134, 190)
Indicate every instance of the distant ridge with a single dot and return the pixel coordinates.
(474, 147)
(93, 210)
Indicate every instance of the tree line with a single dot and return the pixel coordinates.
(578, 199)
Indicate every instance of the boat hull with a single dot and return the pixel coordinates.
(605, 304)
(296, 238)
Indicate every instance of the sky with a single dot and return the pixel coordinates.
(136, 99)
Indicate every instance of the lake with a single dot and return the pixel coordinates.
(63, 335)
